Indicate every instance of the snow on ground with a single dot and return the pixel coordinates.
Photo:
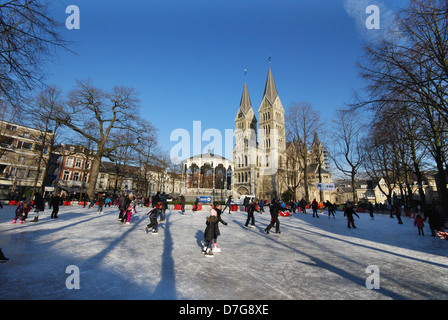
(311, 259)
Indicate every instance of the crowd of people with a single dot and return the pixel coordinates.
(127, 205)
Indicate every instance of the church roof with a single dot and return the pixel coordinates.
(270, 91)
(316, 140)
(245, 103)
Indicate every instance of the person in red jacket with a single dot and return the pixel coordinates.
(418, 222)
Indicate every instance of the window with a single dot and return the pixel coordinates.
(33, 174)
(11, 128)
(78, 163)
(69, 162)
(20, 173)
(66, 175)
(24, 145)
(76, 176)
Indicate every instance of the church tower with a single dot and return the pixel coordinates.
(317, 152)
(245, 151)
(272, 137)
(272, 117)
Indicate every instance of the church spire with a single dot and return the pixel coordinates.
(245, 103)
(270, 91)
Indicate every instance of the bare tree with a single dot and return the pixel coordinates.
(348, 154)
(409, 69)
(147, 150)
(110, 111)
(28, 37)
(302, 122)
(42, 112)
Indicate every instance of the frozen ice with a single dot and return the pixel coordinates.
(311, 258)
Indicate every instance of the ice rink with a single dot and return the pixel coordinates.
(311, 259)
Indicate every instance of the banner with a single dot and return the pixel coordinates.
(325, 186)
(204, 199)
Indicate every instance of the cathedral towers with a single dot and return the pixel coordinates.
(258, 153)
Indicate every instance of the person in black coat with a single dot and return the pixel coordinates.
(434, 219)
(55, 201)
(122, 206)
(217, 233)
(228, 204)
(39, 206)
(274, 208)
(349, 212)
(250, 214)
(210, 232)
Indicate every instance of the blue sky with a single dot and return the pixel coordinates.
(187, 58)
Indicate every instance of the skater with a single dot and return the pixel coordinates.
(153, 214)
(349, 212)
(196, 203)
(302, 205)
(371, 210)
(182, 204)
(123, 204)
(129, 210)
(391, 210)
(217, 233)
(274, 209)
(433, 219)
(246, 203)
(314, 206)
(108, 202)
(101, 203)
(261, 204)
(228, 204)
(165, 206)
(127, 214)
(210, 233)
(331, 209)
(398, 214)
(418, 222)
(56, 200)
(21, 212)
(39, 206)
(250, 214)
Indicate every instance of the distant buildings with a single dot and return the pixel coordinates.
(24, 158)
(25, 164)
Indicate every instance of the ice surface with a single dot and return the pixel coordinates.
(311, 259)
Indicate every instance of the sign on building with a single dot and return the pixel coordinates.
(325, 186)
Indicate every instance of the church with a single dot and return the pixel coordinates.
(264, 164)
(262, 157)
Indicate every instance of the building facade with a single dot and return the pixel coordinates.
(262, 165)
(23, 158)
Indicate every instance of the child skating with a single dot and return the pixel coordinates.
(349, 212)
(210, 233)
(418, 222)
(21, 212)
(215, 240)
(153, 214)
